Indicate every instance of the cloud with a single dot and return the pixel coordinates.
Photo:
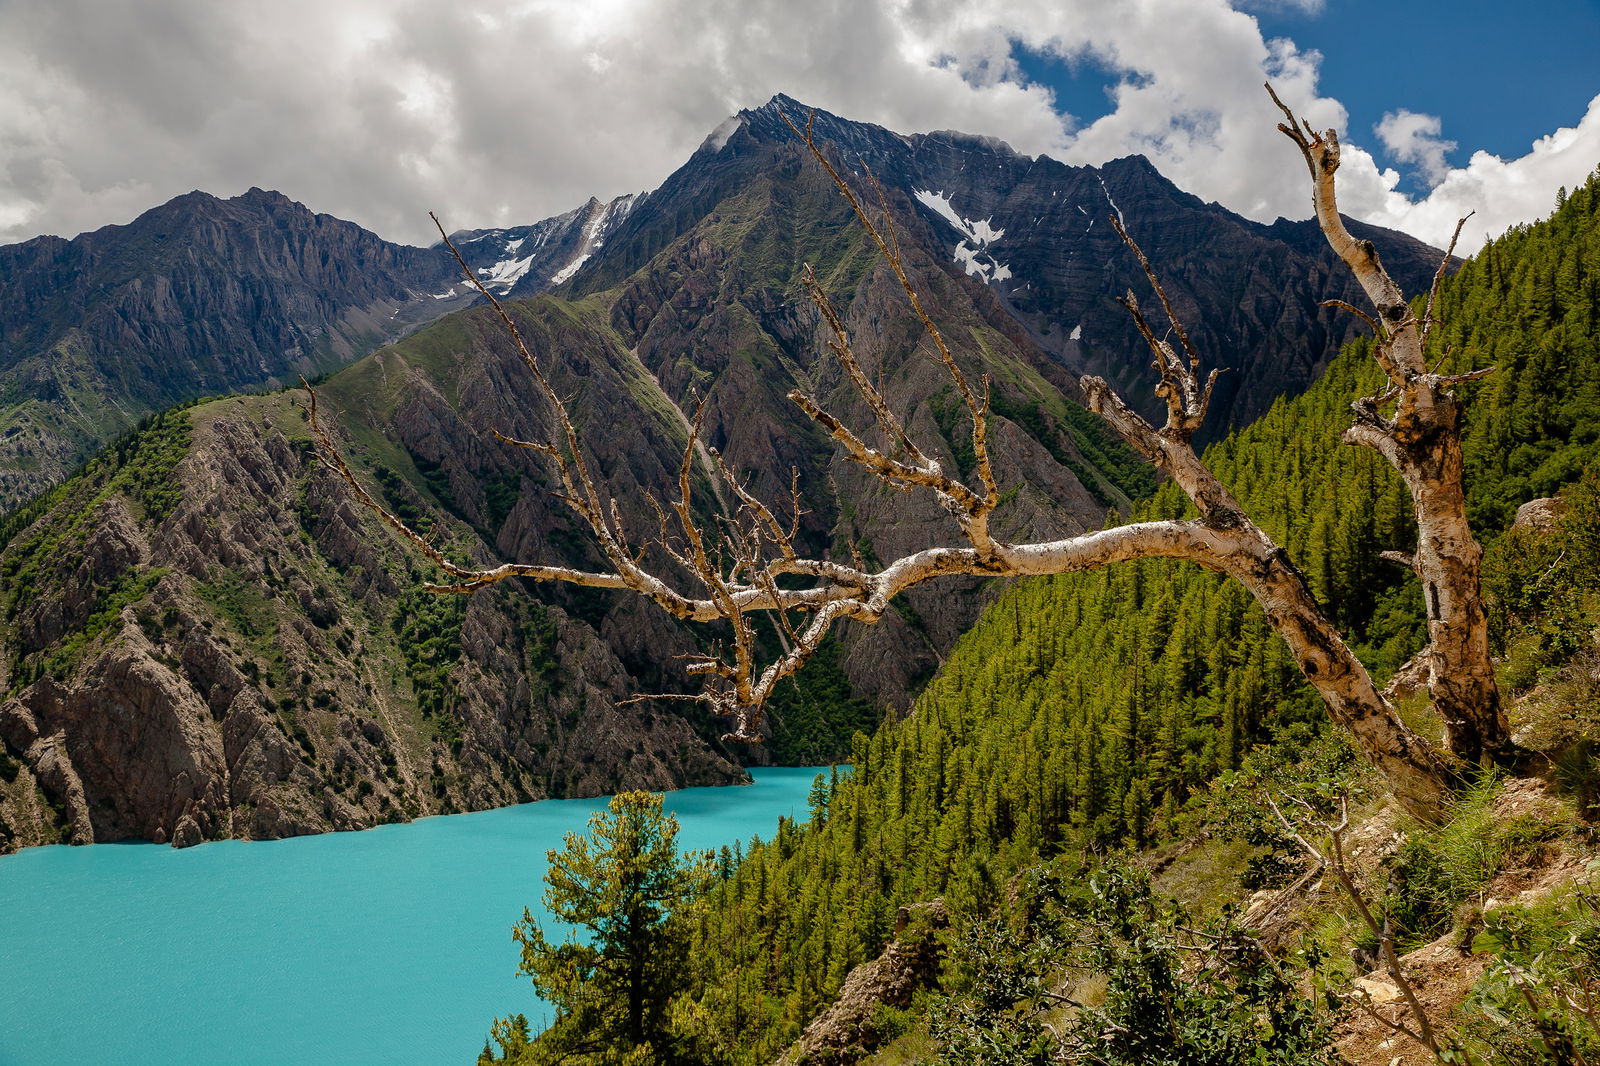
(381, 110)
(1414, 139)
(1307, 7)
(1498, 193)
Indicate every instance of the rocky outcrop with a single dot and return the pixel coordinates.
(248, 664)
(848, 1032)
(1540, 516)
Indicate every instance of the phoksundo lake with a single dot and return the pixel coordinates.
(391, 945)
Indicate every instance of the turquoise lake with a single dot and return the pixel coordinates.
(390, 946)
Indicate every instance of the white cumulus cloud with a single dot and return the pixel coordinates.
(1414, 139)
(380, 110)
(1498, 193)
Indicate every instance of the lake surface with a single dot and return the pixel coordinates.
(391, 945)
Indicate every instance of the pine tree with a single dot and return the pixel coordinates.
(622, 884)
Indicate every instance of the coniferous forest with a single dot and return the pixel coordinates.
(1093, 714)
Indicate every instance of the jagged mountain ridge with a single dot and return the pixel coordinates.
(1036, 232)
(207, 296)
(524, 260)
(198, 296)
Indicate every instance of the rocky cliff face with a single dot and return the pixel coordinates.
(206, 640)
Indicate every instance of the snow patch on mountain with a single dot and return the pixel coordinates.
(980, 233)
(1112, 202)
(603, 218)
(566, 272)
(505, 273)
(548, 252)
(972, 251)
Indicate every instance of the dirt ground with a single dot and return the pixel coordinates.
(1443, 973)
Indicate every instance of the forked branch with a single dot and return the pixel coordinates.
(726, 567)
(1334, 858)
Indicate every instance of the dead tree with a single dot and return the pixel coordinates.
(746, 561)
(1422, 441)
(1336, 861)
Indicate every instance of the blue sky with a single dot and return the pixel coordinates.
(381, 110)
(1498, 75)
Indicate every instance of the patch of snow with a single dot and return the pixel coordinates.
(1077, 332)
(570, 269)
(1081, 211)
(979, 264)
(512, 246)
(445, 295)
(972, 252)
(1112, 202)
(985, 233)
(968, 258)
(939, 204)
(505, 273)
(979, 232)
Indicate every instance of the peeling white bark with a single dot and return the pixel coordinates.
(1422, 441)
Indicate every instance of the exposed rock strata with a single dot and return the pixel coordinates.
(258, 690)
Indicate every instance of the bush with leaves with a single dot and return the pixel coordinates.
(1543, 583)
(1539, 1004)
(1101, 971)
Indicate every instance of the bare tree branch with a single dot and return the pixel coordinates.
(1336, 861)
(746, 559)
(1438, 279)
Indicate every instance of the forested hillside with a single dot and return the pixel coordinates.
(1084, 710)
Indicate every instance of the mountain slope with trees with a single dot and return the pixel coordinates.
(1084, 710)
(180, 605)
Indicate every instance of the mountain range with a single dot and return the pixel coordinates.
(204, 634)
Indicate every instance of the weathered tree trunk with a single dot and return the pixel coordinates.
(1422, 440)
(1414, 769)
